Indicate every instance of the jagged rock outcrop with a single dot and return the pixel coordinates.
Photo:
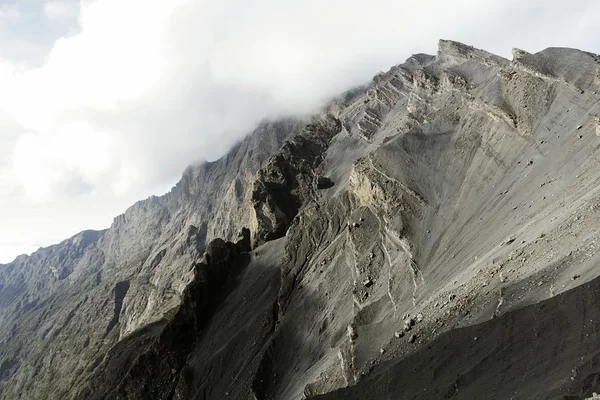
(289, 179)
(455, 189)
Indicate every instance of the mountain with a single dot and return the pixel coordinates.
(64, 307)
(431, 235)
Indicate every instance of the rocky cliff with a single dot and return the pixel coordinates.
(432, 235)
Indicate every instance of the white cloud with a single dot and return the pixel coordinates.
(61, 9)
(148, 87)
(9, 13)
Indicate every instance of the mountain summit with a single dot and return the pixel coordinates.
(432, 235)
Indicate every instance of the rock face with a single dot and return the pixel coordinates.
(418, 239)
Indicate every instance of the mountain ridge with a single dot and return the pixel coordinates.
(454, 189)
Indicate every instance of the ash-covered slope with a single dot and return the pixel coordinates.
(547, 350)
(64, 307)
(439, 204)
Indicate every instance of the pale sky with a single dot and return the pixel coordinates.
(104, 102)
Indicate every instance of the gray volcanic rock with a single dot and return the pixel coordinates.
(451, 257)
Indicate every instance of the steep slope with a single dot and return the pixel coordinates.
(465, 186)
(64, 307)
(454, 190)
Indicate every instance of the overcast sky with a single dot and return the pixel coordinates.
(104, 102)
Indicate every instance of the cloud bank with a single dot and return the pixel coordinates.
(117, 110)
